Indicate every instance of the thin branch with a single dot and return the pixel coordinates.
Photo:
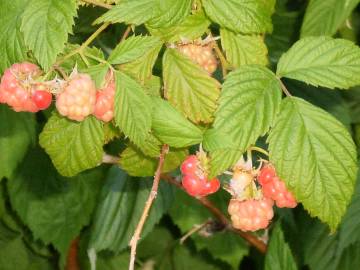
(72, 262)
(135, 238)
(96, 3)
(260, 150)
(250, 238)
(284, 89)
(195, 229)
(126, 33)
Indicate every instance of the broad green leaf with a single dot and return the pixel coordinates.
(189, 88)
(121, 205)
(15, 254)
(350, 226)
(248, 104)
(131, 12)
(191, 28)
(244, 49)
(73, 146)
(215, 139)
(170, 12)
(152, 86)
(12, 46)
(171, 127)
(320, 247)
(278, 255)
(245, 16)
(285, 33)
(53, 207)
(135, 163)
(315, 155)
(350, 259)
(141, 68)
(223, 245)
(17, 132)
(132, 108)
(322, 61)
(326, 17)
(133, 48)
(46, 25)
(223, 159)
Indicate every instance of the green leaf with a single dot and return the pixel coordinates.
(121, 205)
(73, 146)
(326, 17)
(133, 48)
(349, 259)
(316, 157)
(141, 68)
(188, 87)
(191, 28)
(244, 49)
(171, 127)
(132, 108)
(171, 12)
(223, 245)
(223, 159)
(131, 12)
(322, 61)
(16, 255)
(135, 163)
(245, 16)
(53, 207)
(278, 255)
(12, 45)
(17, 132)
(46, 25)
(248, 104)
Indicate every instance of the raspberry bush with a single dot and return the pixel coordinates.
(179, 134)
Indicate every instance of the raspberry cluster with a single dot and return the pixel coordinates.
(23, 89)
(275, 189)
(195, 180)
(252, 214)
(202, 55)
(20, 89)
(251, 208)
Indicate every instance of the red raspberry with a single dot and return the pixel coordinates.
(277, 191)
(266, 174)
(16, 89)
(104, 105)
(201, 54)
(41, 96)
(210, 187)
(251, 215)
(77, 100)
(189, 166)
(199, 186)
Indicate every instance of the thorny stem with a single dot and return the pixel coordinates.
(135, 238)
(250, 238)
(284, 89)
(96, 3)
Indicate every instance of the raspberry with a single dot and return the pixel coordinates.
(41, 96)
(189, 166)
(104, 105)
(199, 185)
(277, 191)
(251, 215)
(201, 54)
(77, 100)
(210, 187)
(16, 86)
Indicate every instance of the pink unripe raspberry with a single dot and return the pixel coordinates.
(77, 100)
(201, 54)
(251, 214)
(16, 89)
(104, 105)
(277, 191)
